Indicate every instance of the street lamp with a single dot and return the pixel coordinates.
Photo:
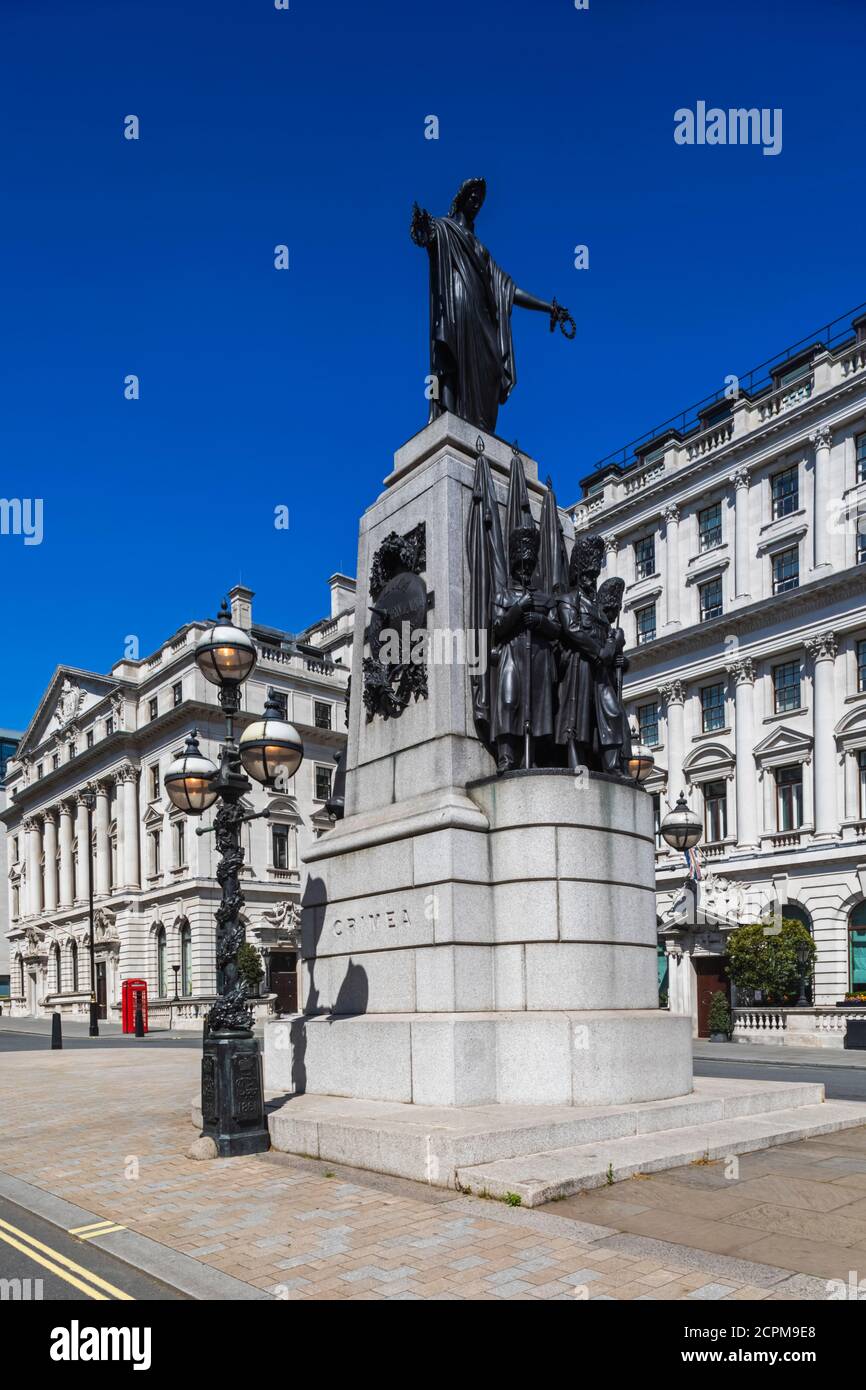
(639, 763)
(233, 1113)
(681, 828)
(804, 957)
(88, 801)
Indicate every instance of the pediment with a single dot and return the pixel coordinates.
(852, 724)
(783, 741)
(708, 757)
(68, 696)
(154, 817)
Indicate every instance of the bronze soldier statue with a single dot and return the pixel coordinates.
(614, 736)
(524, 629)
(586, 644)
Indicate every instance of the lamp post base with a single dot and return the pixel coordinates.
(232, 1095)
(94, 1020)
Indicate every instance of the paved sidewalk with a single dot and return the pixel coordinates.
(770, 1054)
(109, 1129)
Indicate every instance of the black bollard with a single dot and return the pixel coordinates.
(139, 1021)
(56, 1032)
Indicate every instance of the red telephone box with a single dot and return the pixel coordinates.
(132, 993)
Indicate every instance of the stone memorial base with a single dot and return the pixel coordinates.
(492, 947)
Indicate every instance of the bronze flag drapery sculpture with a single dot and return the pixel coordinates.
(550, 694)
(471, 298)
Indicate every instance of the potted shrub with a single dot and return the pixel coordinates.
(720, 1018)
(250, 967)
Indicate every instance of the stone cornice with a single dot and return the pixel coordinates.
(751, 618)
(618, 512)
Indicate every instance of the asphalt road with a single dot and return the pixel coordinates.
(840, 1083)
(60, 1266)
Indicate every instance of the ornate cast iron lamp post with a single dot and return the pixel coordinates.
(804, 960)
(88, 801)
(271, 751)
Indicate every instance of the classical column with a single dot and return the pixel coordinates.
(822, 650)
(743, 672)
(49, 840)
(851, 782)
(673, 578)
(67, 885)
(33, 832)
(83, 884)
(674, 694)
(821, 440)
(103, 847)
(611, 549)
(128, 780)
(741, 532)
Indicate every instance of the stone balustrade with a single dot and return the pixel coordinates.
(810, 1027)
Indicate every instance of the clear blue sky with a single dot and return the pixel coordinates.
(306, 127)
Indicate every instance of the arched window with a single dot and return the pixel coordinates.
(857, 949)
(186, 959)
(55, 960)
(73, 952)
(797, 913)
(160, 963)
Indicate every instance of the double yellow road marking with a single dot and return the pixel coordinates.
(66, 1269)
(96, 1228)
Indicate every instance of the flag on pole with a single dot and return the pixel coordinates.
(693, 864)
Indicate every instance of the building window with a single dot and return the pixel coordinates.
(73, 952)
(710, 527)
(786, 570)
(281, 700)
(861, 458)
(861, 538)
(14, 849)
(861, 665)
(785, 490)
(715, 811)
(789, 797)
(786, 687)
(55, 960)
(179, 844)
(712, 708)
(90, 738)
(154, 838)
(39, 770)
(657, 820)
(645, 624)
(73, 750)
(153, 707)
(55, 761)
(648, 723)
(857, 949)
(154, 781)
(645, 557)
(711, 600)
(280, 846)
(186, 959)
(323, 781)
(322, 714)
(109, 727)
(861, 773)
(160, 963)
(177, 693)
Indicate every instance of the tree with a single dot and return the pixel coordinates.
(764, 957)
(250, 966)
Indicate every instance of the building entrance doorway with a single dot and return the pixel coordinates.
(710, 978)
(283, 981)
(101, 990)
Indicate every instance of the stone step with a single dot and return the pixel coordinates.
(447, 1145)
(555, 1173)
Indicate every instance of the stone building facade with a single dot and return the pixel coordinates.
(155, 889)
(740, 532)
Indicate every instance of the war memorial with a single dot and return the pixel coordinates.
(480, 999)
